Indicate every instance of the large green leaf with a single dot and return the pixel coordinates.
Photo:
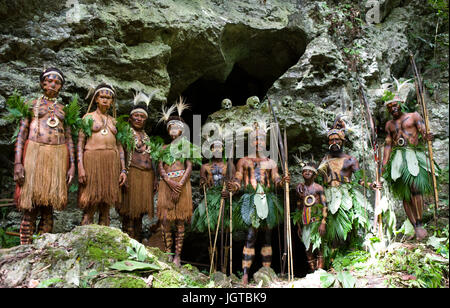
(260, 201)
(130, 266)
(327, 280)
(336, 199)
(346, 279)
(397, 163)
(347, 201)
(411, 159)
(306, 236)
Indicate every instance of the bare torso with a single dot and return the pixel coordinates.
(340, 169)
(39, 130)
(98, 140)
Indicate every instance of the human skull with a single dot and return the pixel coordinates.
(287, 100)
(253, 102)
(227, 104)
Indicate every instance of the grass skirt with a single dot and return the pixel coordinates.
(45, 176)
(102, 179)
(167, 208)
(138, 197)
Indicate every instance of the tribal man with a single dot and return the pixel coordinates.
(44, 164)
(345, 202)
(405, 165)
(313, 206)
(174, 205)
(101, 159)
(213, 176)
(138, 195)
(260, 207)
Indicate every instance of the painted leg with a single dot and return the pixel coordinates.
(248, 254)
(417, 204)
(311, 259)
(167, 238)
(88, 215)
(27, 227)
(46, 222)
(320, 260)
(266, 250)
(179, 238)
(103, 215)
(137, 229)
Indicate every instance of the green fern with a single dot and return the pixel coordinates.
(125, 133)
(72, 117)
(86, 125)
(17, 109)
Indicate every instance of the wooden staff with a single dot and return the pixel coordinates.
(222, 201)
(230, 178)
(421, 101)
(207, 217)
(288, 214)
(377, 219)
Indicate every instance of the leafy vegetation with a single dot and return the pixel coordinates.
(72, 117)
(17, 109)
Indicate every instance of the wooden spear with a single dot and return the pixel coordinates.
(207, 217)
(288, 214)
(421, 101)
(222, 201)
(377, 220)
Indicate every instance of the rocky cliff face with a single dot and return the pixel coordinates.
(301, 53)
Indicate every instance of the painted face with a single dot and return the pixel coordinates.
(394, 108)
(307, 174)
(51, 85)
(104, 99)
(137, 120)
(335, 143)
(175, 131)
(259, 143)
(217, 150)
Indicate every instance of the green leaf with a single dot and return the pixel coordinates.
(327, 280)
(336, 198)
(139, 249)
(347, 201)
(413, 163)
(260, 201)
(49, 282)
(346, 279)
(397, 163)
(130, 266)
(407, 228)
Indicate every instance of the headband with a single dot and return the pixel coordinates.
(175, 122)
(309, 168)
(54, 73)
(139, 110)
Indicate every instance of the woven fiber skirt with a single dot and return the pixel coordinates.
(45, 176)
(102, 179)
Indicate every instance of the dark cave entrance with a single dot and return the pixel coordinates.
(205, 96)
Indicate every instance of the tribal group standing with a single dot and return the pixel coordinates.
(120, 166)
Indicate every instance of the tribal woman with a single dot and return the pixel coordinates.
(44, 163)
(174, 207)
(139, 191)
(101, 159)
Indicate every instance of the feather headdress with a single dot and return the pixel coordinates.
(306, 165)
(141, 102)
(396, 97)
